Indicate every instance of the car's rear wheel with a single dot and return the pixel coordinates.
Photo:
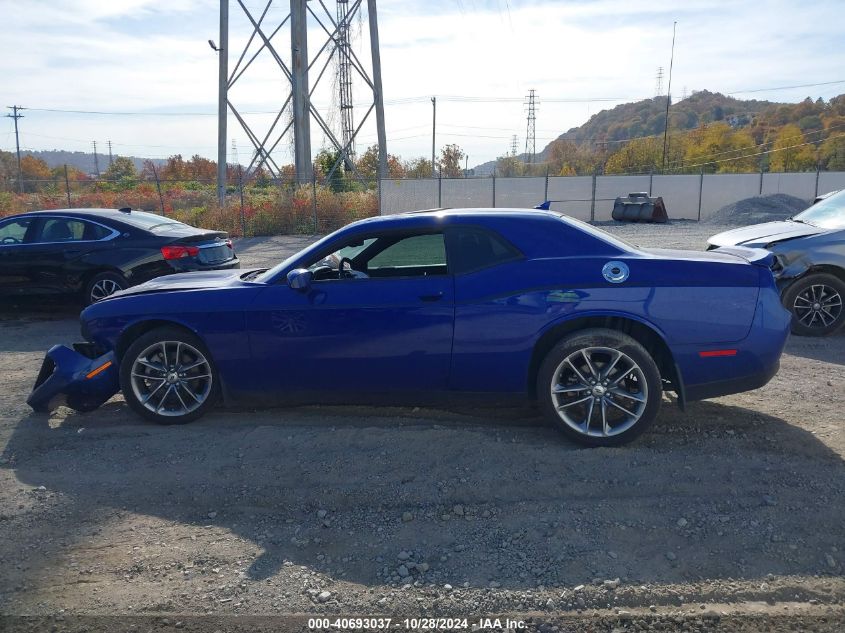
(815, 302)
(103, 285)
(168, 376)
(600, 387)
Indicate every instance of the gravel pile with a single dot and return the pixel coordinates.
(757, 209)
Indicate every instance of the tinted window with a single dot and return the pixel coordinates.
(472, 249)
(418, 250)
(95, 231)
(144, 220)
(14, 231)
(62, 230)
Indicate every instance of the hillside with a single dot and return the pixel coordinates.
(589, 146)
(83, 161)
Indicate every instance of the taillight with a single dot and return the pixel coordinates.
(176, 252)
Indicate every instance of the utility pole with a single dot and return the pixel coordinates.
(531, 131)
(668, 99)
(111, 160)
(433, 132)
(96, 161)
(299, 88)
(17, 116)
(222, 100)
(378, 93)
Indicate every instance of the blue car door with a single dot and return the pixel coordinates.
(384, 325)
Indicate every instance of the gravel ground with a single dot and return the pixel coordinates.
(727, 517)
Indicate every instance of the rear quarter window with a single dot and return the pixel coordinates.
(472, 248)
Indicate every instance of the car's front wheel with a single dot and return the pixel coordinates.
(815, 302)
(600, 387)
(168, 376)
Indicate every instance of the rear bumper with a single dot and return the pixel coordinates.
(756, 359)
(85, 382)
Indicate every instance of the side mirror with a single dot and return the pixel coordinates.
(300, 279)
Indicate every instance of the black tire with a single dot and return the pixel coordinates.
(816, 289)
(170, 337)
(102, 285)
(640, 385)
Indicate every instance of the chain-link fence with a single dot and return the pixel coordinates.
(268, 207)
(275, 207)
(687, 197)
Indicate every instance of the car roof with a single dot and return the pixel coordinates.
(95, 213)
(452, 216)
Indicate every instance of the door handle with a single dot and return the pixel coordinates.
(434, 297)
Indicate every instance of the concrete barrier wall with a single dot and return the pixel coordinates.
(687, 196)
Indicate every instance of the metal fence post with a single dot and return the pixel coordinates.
(439, 188)
(761, 179)
(241, 192)
(593, 198)
(818, 170)
(67, 187)
(158, 188)
(546, 188)
(650, 181)
(700, 191)
(494, 189)
(314, 198)
(380, 210)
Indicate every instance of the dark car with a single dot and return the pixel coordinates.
(497, 305)
(94, 253)
(810, 262)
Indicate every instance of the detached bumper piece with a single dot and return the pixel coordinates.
(86, 380)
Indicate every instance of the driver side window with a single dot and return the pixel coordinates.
(385, 256)
(14, 231)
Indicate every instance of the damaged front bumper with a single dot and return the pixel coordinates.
(85, 378)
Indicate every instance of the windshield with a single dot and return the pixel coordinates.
(826, 214)
(147, 221)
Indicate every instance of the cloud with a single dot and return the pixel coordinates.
(147, 55)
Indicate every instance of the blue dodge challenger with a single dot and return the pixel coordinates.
(497, 306)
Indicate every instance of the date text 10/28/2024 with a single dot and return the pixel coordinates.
(415, 624)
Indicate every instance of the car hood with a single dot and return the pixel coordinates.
(186, 281)
(762, 234)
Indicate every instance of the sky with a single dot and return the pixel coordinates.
(145, 68)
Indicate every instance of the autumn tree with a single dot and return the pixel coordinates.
(451, 161)
(790, 152)
(36, 175)
(832, 153)
(122, 168)
(367, 165)
(418, 168)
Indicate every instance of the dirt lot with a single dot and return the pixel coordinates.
(728, 517)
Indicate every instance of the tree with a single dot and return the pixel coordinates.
(789, 151)
(325, 162)
(418, 168)
(121, 169)
(367, 165)
(832, 153)
(36, 175)
(451, 161)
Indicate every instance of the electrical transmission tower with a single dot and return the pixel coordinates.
(344, 80)
(15, 115)
(296, 72)
(514, 142)
(96, 161)
(531, 131)
(658, 82)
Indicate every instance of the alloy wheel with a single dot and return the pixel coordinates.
(817, 306)
(599, 391)
(171, 378)
(104, 288)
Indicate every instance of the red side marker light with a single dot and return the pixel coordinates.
(717, 352)
(99, 370)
